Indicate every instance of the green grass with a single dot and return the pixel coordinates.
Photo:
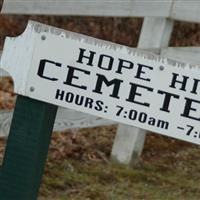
(173, 176)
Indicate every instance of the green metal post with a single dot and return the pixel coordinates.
(27, 149)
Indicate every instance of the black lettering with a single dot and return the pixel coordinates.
(60, 94)
(79, 100)
(152, 121)
(134, 93)
(108, 65)
(99, 105)
(71, 76)
(141, 71)
(142, 117)
(162, 124)
(42, 66)
(89, 102)
(89, 57)
(132, 114)
(122, 65)
(167, 100)
(69, 97)
(195, 86)
(188, 108)
(183, 82)
(115, 82)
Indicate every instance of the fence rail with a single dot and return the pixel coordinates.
(173, 9)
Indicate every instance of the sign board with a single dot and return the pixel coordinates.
(105, 79)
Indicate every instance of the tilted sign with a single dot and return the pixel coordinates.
(105, 79)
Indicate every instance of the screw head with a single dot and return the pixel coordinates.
(32, 89)
(43, 37)
(161, 68)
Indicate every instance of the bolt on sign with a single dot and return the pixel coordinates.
(105, 79)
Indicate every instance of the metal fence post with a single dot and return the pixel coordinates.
(26, 149)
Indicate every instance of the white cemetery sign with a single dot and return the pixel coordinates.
(105, 79)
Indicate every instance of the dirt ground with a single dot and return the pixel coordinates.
(91, 147)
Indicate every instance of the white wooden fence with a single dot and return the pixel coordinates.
(155, 34)
(187, 10)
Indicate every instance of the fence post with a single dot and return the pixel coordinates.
(26, 149)
(129, 141)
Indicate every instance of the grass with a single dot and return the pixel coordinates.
(103, 181)
(166, 171)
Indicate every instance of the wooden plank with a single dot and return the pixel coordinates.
(186, 10)
(68, 119)
(123, 8)
(27, 148)
(178, 10)
(128, 144)
(129, 141)
(65, 119)
(5, 122)
(183, 54)
(49, 76)
(3, 72)
(155, 33)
